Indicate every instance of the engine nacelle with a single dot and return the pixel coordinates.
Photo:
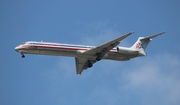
(124, 50)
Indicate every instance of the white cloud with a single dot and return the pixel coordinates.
(99, 32)
(150, 80)
(158, 76)
(64, 68)
(104, 96)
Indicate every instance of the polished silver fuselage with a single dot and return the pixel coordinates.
(86, 56)
(71, 50)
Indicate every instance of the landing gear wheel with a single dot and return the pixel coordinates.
(90, 64)
(98, 58)
(23, 56)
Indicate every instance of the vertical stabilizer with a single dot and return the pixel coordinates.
(142, 42)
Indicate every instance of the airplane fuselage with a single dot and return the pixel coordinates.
(57, 49)
(86, 56)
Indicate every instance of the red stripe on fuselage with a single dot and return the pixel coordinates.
(60, 47)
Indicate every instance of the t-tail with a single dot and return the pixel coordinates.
(142, 43)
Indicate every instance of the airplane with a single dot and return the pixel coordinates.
(86, 56)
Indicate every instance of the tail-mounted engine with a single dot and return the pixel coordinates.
(124, 50)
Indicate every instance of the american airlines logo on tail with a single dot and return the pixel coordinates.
(138, 45)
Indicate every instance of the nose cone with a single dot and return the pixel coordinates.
(17, 48)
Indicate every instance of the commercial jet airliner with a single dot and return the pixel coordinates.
(86, 56)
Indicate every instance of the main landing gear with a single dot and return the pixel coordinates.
(89, 64)
(98, 58)
(23, 56)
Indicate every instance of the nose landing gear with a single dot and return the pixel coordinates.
(23, 56)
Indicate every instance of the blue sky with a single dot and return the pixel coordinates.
(38, 79)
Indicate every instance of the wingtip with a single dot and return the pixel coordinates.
(163, 32)
(78, 73)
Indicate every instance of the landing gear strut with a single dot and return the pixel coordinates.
(23, 56)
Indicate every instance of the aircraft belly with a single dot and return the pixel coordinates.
(55, 52)
(119, 57)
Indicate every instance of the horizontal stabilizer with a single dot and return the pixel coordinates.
(152, 36)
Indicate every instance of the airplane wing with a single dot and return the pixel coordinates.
(104, 48)
(82, 63)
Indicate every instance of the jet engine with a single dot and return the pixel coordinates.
(124, 50)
